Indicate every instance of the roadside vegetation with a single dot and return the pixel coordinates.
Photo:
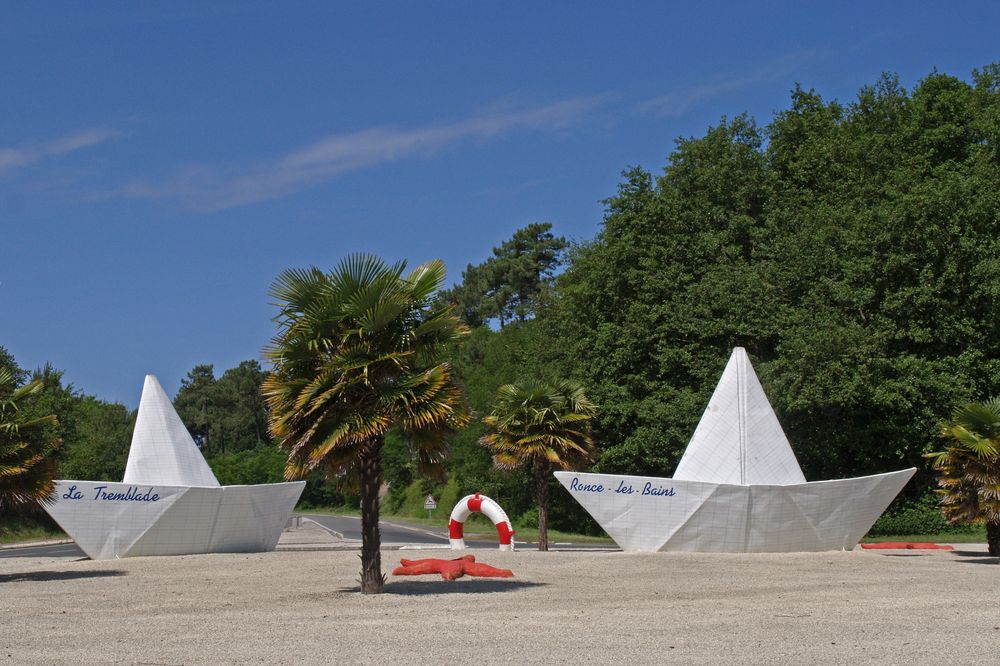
(18, 529)
(969, 469)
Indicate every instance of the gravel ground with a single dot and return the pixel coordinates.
(582, 608)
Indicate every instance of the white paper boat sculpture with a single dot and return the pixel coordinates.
(170, 503)
(738, 487)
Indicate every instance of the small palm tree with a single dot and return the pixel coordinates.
(357, 353)
(969, 468)
(544, 426)
(26, 444)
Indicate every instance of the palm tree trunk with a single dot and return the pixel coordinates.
(993, 538)
(542, 494)
(372, 580)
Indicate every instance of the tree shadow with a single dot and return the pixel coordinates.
(972, 553)
(440, 586)
(990, 559)
(903, 554)
(44, 576)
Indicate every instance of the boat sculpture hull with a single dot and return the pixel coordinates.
(109, 520)
(663, 514)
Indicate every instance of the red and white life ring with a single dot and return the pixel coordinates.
(484, 505)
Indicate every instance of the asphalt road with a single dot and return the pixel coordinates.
(396, 532)
(57, 550)
(349, 527)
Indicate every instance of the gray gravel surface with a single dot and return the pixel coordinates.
(582, 608)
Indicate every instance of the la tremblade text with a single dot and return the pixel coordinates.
(133, 494)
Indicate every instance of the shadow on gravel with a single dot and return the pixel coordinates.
(903, 554)
(421, 587)
(43, 576)
(995, 561)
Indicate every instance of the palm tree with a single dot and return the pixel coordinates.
(969, 468)
(358, 352)
(26, 444)
(544, 426)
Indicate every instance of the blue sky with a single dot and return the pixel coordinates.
(161, 164)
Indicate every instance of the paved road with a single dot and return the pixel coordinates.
(398, 532)
(347, 526)
(393, 532)
(57, 550)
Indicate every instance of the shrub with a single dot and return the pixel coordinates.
(916, 516)
(266, 464)
(528, 519)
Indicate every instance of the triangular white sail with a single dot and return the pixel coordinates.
(739, 440)
(163, 452)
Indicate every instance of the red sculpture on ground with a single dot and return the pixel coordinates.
(450, 569)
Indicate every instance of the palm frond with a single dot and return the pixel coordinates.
(969, 466)
(533, 420)
(355, 354)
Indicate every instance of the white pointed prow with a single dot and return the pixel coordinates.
(739, 440)
(162, 451)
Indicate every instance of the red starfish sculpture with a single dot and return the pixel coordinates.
(450, 569)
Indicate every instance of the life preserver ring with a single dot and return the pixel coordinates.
(484, 505)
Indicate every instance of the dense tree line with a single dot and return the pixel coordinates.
(852, 249)
(224, 415)
(227, 418)
(95, 434)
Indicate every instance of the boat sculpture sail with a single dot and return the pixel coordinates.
(169, 502)
(737, 488)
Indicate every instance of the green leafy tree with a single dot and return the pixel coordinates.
(97, 449)
(358, 352)
(851, 248)
(542, 426)
(969, 468)
(94, 434)
(27, 465)
(196, 405)
(8, 363)
(224, 415)
(241, 412)
(470, 296)
(508, 285)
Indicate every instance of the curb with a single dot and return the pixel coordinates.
(323, 527)
(339, 547)
(30, 544)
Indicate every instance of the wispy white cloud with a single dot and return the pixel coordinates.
(677, 103)
(12, 159)
(214, 187)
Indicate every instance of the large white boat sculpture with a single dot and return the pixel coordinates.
(738, 487)
(169, 502)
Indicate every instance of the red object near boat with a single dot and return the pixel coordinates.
(450, 569)
(906, 545)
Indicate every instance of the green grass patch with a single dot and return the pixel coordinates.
(477, 526)
(975, 536)
(15, 529)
